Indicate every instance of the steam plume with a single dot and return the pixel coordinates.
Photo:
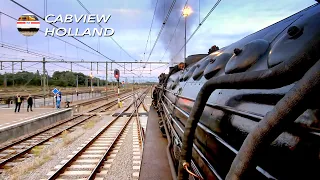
(177, 42)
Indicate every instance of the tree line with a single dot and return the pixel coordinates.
(59, 78)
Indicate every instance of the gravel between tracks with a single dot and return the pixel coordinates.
(122, 163)
(121, 168)
(62, 153)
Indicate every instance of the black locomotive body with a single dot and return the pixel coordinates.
(284, 54)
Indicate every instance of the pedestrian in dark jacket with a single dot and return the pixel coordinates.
(18, 101)
(30, 103)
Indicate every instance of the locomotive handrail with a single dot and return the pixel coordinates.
(239, 112)
(246, 114)
(199, 152)
(216, 136)
(176, 135)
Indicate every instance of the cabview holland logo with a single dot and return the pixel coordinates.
(28, 24)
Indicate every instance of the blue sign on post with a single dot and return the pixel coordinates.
(55, 91)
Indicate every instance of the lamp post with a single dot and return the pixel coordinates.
(186, 12)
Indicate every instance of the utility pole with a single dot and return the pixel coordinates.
(44, 81)
(132, 83)
(12, 74)
(77, 83)
(106, 79)
(91, 85)
(48, 80)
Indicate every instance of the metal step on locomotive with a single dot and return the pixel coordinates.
(249, 110)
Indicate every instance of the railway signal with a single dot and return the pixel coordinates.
(117, 76)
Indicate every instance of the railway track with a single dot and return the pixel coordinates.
(95, 102)
(18, 151)
(93, 159)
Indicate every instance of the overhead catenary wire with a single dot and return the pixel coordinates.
(198, 27)
(71, 37)
(82, 5)
(57, 27)
(35, 52)
(53, 36)
(162, 27)
(16, 48)
(173, 34)
(154, 14)
(1, 37)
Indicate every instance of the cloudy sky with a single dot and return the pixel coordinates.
(131, 20)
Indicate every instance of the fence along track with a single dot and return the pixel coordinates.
(19, 148)
(88, 161)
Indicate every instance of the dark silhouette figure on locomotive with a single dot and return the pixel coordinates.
(161, 78)
(18, 102)
(175, 69)
(30, 103)
(213, 49)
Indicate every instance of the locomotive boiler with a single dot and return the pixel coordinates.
(249, 110)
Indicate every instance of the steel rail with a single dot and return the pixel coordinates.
(95, 170)
(66, 165)
(46, 139)
(111, 103)
(41, 142)
(46, 129)
(98, 99)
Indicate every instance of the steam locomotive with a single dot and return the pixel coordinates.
(249, 110)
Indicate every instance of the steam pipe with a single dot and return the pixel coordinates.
(287, 110)
(283, 74)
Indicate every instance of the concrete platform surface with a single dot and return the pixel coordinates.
(19, 124)
(154, 165)
(8, 117)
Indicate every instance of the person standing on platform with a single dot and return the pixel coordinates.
(18, 101)
(30, 103)
(58, 101)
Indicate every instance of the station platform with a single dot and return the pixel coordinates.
(155, 164)
(8, 116)
(13, 125)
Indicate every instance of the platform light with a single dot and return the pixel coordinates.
(186, 11)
